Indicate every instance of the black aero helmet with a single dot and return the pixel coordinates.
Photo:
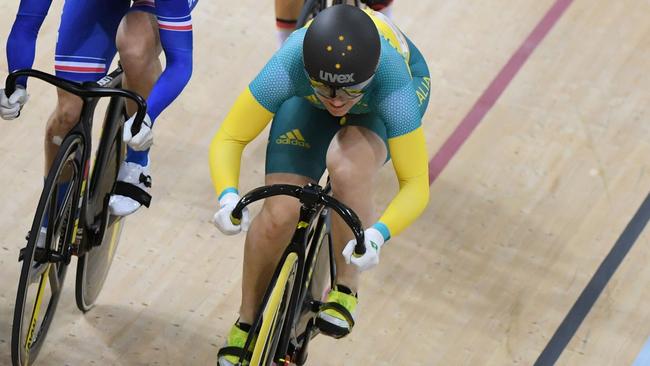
(341, 47)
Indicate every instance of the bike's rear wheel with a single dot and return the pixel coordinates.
(45, 264)
(92, 267)
(94, 264)
(274, 312)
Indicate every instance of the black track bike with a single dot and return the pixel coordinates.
(72, 216)
(286, 321)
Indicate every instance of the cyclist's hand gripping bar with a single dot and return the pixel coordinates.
(85, 90)
(348, 216)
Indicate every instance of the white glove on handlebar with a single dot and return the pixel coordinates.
(222, 220)
(373, 240)
(143, 139)
(10, 107)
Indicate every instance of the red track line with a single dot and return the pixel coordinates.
(494, 90)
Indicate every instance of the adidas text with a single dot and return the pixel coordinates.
(286, 141)
(293, 137)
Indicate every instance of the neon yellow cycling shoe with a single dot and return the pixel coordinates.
(336, 316)
(230, 353)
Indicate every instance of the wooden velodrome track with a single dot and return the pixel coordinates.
(517, 225)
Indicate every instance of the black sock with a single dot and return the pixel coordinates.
(344, 289)
(243, 326)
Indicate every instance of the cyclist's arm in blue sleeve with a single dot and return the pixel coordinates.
(175, 24)
(21, 44)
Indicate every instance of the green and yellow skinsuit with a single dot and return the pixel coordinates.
(302, 129)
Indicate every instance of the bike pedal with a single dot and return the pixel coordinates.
(67, 254)
(40, 255)
(21, 254)
(75, 246)
(79, 237)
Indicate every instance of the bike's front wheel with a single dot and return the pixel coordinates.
(47, 254)
(93, 265)
(274, 312)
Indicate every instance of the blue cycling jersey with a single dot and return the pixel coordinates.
(86, 43)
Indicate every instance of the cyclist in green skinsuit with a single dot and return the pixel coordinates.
(346, 93)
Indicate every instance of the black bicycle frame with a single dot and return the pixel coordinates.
(314, 199)
(310, 196)
(307, 247)
(90, 92)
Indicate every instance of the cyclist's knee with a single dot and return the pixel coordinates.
(65, 116)
(135, 55)
(352, 159)
(279, 216)
(137, 39)
(344, 172)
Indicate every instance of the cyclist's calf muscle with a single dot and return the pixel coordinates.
(288, 9)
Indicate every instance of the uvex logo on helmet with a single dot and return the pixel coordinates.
(336, 78)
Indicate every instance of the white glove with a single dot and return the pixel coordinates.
(373, 240)
(10, 107)
(143, 139)
(222, 220)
